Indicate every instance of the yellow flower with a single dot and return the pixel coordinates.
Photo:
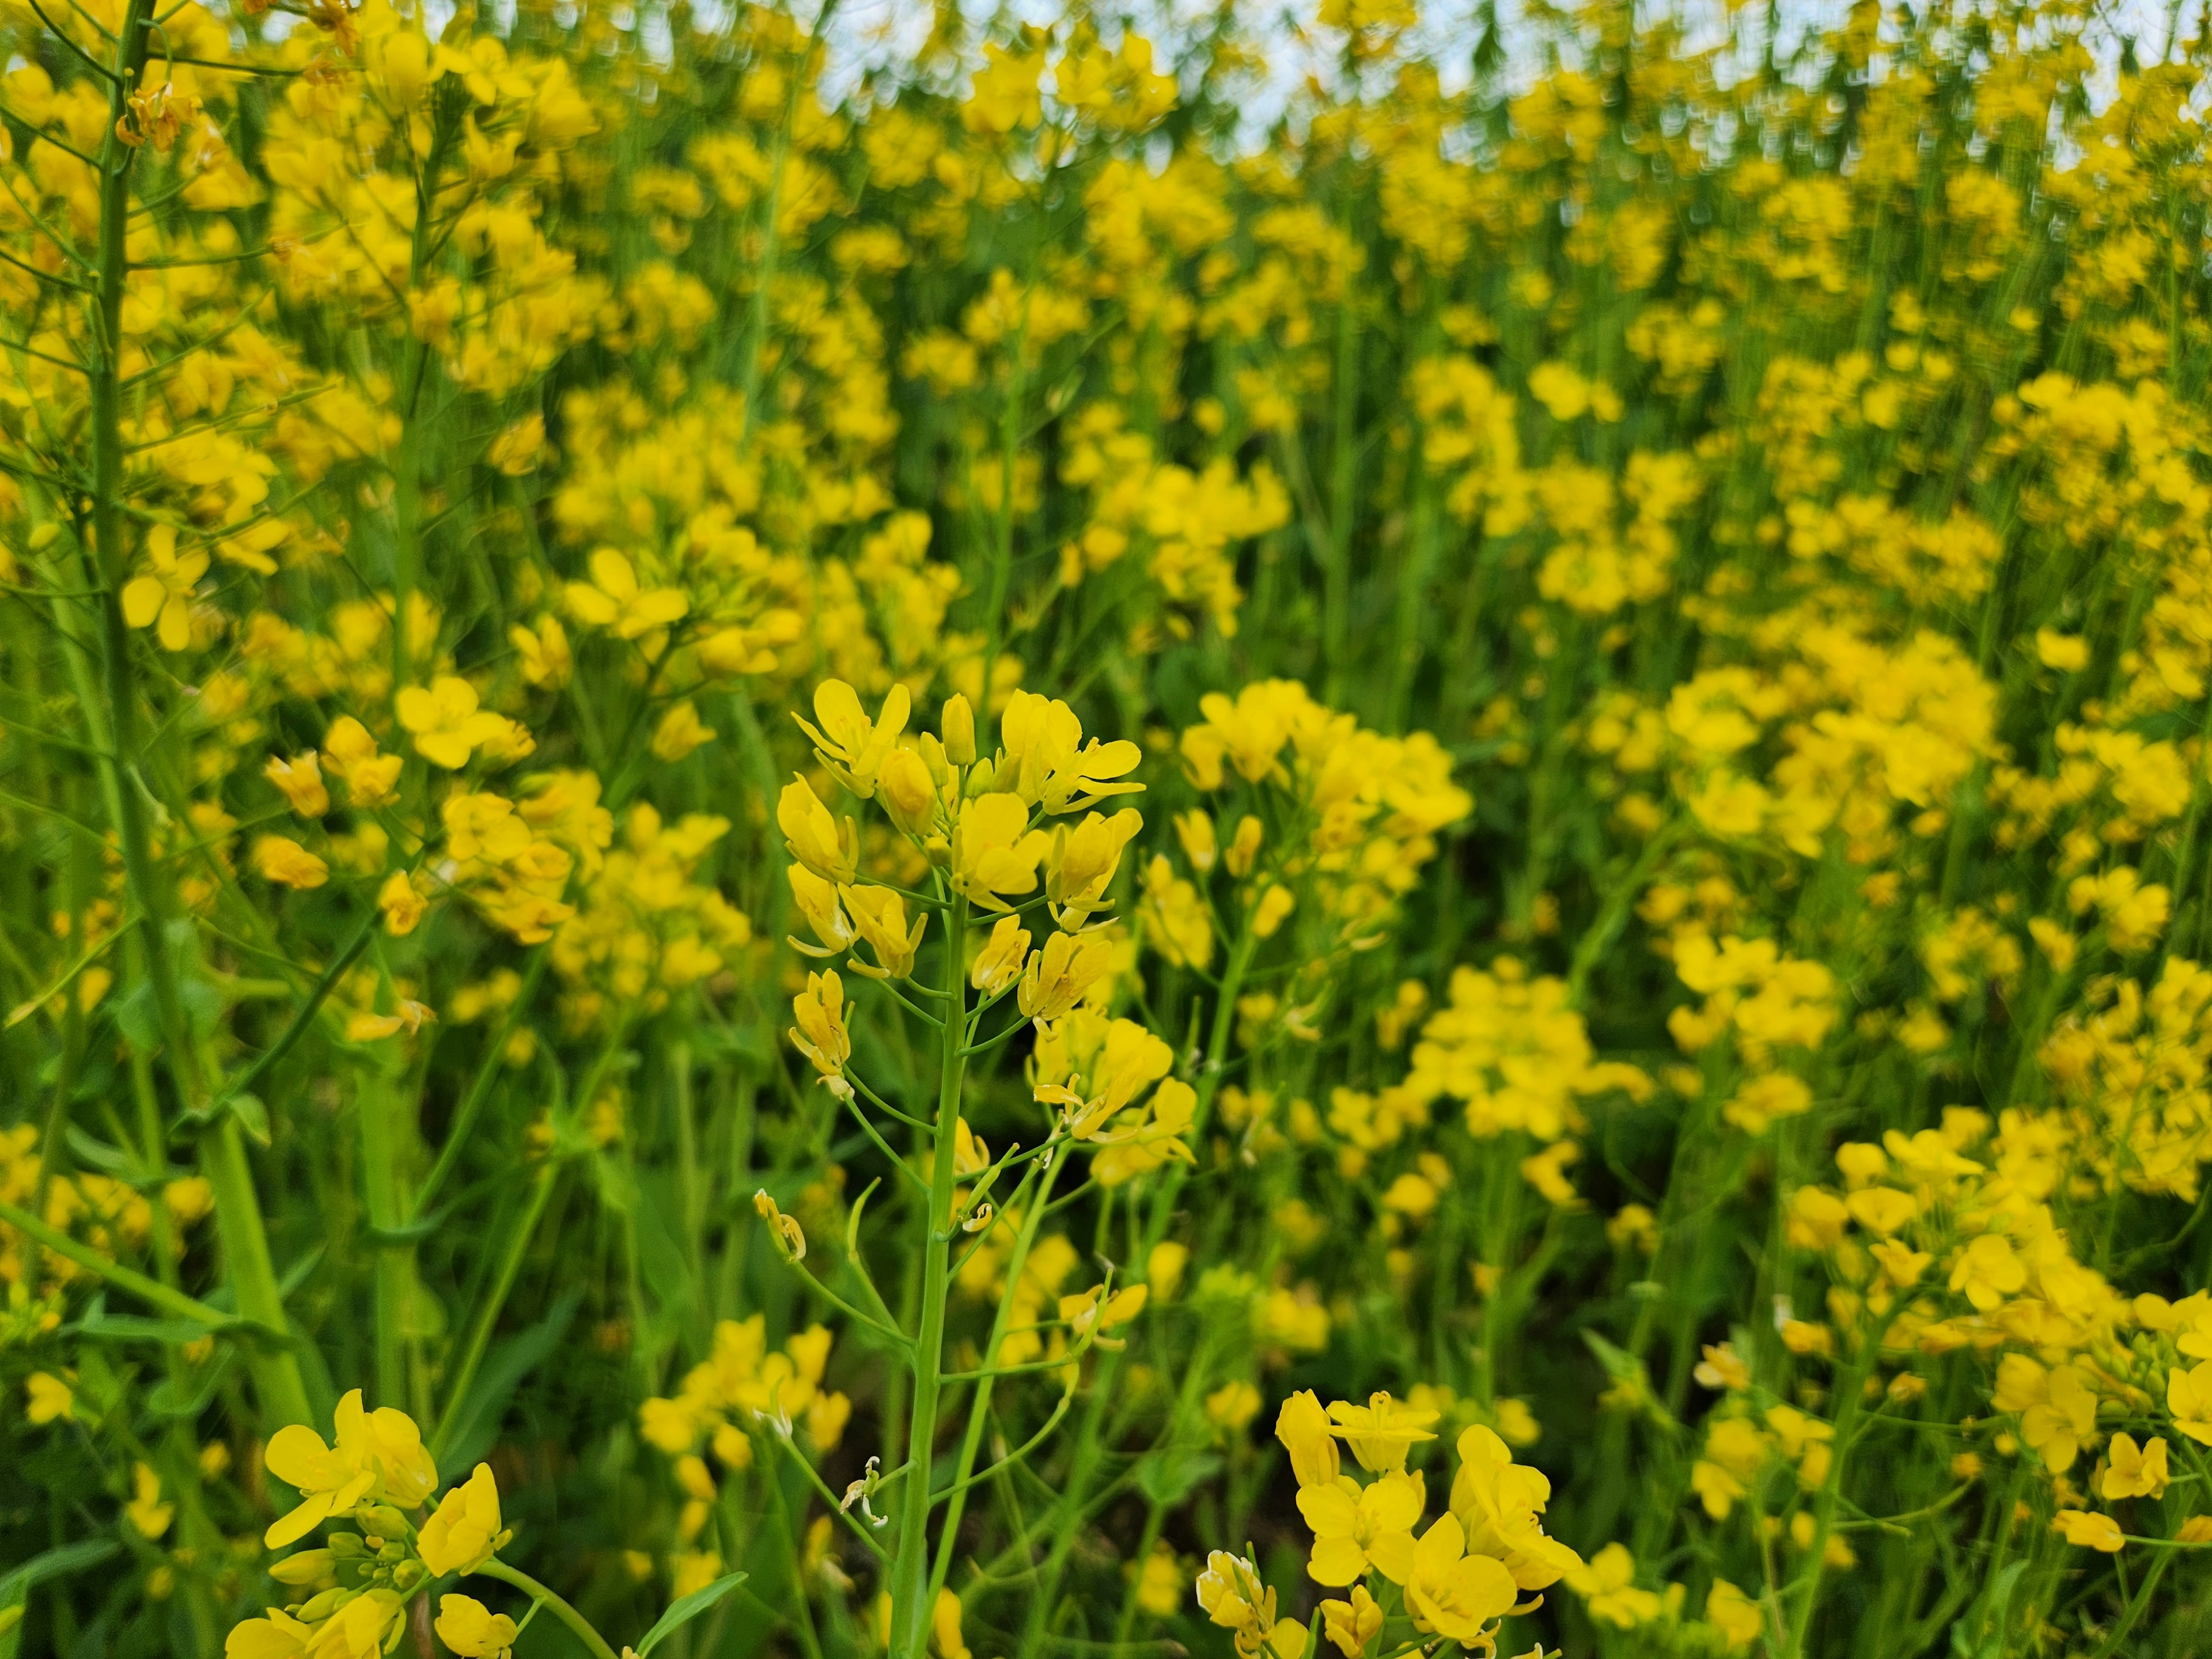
(148, 1513)
(613, 598)
(830, 849)
(1734, 1615)
(994, 852)
(817, 901)
(1040, 759)
(1081, 862)
(1881, 1210)
(284, 861)
(1607, 1587)
(1231, 1594)
(350, 754)
(908, 792)
(820, 1034)
(2067, 653)
(402, 905)
(301, 782)
(2189, 1399)
(680, 732)
(1352, 1624)
(1453, 1593)
(1381, 1431)
(2089, 1530)
(880, 915)
(446, 725)
(1988, 1271)
(163, 597)
(944, 1627)
(472, 1630)
(1057, 977)
(1232, 1406)
(464, 1532)
(51, 1402)
(851, 746)
(275, 1635)
(378, 1456)
(546, 659)
(1358, 1529)
(2133, 1471)
(1304, 1428)
(1501, 1502)
(998, 963)
(2057, 1411)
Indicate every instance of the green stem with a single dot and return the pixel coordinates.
(517, 1245)
(151, 1291)
(592, 1641)
(910, 1563)
(253, 1271)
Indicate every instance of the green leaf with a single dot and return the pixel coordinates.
(684, 1612)
(132, 1328)
(474, 1425)
(16, 1588)
(252, 1117)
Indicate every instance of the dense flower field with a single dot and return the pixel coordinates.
(985, 858)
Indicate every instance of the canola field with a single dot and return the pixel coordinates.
(1104, 836)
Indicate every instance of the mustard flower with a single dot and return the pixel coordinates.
(1381, 1433)
(300, 780)
(446, 725)
(994, 852)
(998, 965)
(615, 599)
(817, 901)
(2132, 1471)
(379, 1458)
(2058, 1409)
(281, 860)
(2189, 1401)
(908, 792)
(1351, 1624)
(1060, 975)
(1304, 1428)
(828, 846)
(350, 754)
(1455, 1594)
(146, 1510)
(820, 1034)
(1043, 760)
(473, 1631)
(1081, 863)
(851, 746)
(2087, 1529)
(162, 597)
(464, 1532)
(880, 915)
(1359, 1530)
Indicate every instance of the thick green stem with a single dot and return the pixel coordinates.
(595, 1644)
(253, 1271)
(910, 1565)
(378, 1109)
(979, 1410)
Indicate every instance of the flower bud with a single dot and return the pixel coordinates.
(907, 792)
(348, 1544)
(320, 1607)
(307, 1567)
(381, 1520)
(959, 724)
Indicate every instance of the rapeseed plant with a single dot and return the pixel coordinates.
(1480, 927)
